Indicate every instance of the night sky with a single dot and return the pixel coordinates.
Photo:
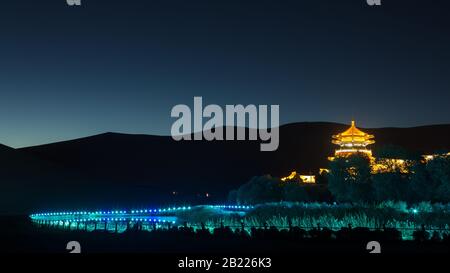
(109, 65)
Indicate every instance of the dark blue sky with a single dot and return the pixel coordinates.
(68, 72)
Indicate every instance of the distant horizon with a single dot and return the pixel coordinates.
(57, 140)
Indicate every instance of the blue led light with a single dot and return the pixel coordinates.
(67, 217)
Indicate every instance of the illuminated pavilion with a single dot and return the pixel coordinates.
(354, 141)
(351, 141)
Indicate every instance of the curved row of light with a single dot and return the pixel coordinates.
(112, 212)
(231, 207)
(124, 212)
(113, 219)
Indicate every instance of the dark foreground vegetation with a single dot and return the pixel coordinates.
(352, 179)
(18, 235)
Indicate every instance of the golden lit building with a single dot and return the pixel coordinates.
(309, 179)
(294, 176)
(351, 141)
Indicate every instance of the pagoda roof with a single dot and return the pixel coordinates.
(353, 132)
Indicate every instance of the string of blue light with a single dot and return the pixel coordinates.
(113, 215)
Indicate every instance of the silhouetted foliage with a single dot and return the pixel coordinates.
(322, 179)
(422, 187)
(263, 189)
(295, 192)
(439, 171)
(390, 186)
(350, 179)
(260, 189)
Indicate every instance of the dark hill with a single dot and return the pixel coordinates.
(119, 169)
(25, 180)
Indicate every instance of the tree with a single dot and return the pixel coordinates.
(260, 189)
(295, 192)
(349, 178)
(263, 189)
(439, 171)
(322, 178)
(422, 186)
(391, 186)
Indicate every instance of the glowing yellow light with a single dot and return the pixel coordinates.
(289, 177)
(435, 156)
(352, 171)
(310, 179)
(303, 178)
(386, 165)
